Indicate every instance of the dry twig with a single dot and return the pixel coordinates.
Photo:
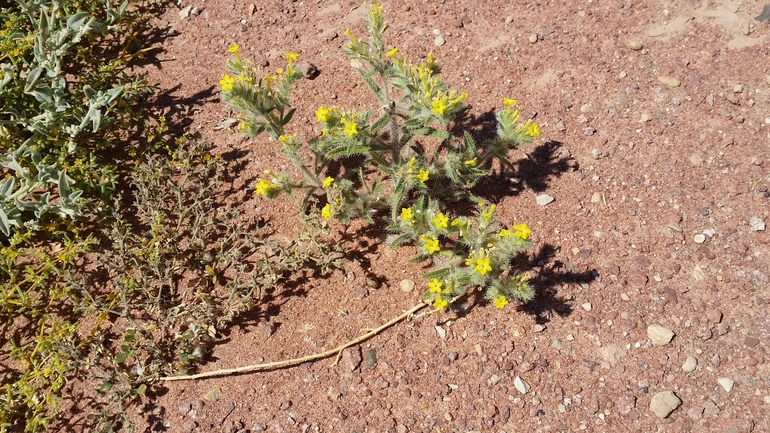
(296, 361)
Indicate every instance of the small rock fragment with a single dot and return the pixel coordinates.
(663, 403)
(587, 306)
(669, 81)
(699, 238)
(370, 358)
(309, 70)
(635, 45)
(533, 38)
(756, 224)
(406, 285)
(714, 316)
(351, 358)
(726, 383)
(439, 41)
(689, 364)
(695, 412)
(543, 199)
(520, 385)
(186, 12)
(659, 335)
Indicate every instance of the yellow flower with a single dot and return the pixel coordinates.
(522, 231)
(440, 221)
(509, 102)
(501, 302)
(439, 106)
(227, 82)
(488, 213)
(482, 266)
(470, 162)
(233, 49)
(292, 57)
(504, 233)
(435, 286)
(533, 130)
(326, 212)
(265, 187)
(286, 139)
(327, 182)
(431, 245)
(322, 114)
(423, 176)
(406, 214)
(440, 303)
(392, 52)
(350, 128)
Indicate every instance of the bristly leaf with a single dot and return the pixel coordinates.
(399, 240)
(382, 122)
(438, 274)
(367, 77)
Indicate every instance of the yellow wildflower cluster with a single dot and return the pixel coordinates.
(333, 117)
(265, 187)
(327, 182)
(430, 244)
(521, 231)
(440, 221)
(406, 215)
(441, 103)
(326, 212)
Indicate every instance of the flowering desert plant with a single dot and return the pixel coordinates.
(392, 168)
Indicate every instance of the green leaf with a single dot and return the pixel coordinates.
(399, 240)
(367, 77)
(438, 274)
(122, 357)
(6, 186)
(380, 124)
(5, 225)
(286, 119)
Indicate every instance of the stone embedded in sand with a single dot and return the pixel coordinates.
(659, 335)
(689, 364)
(663, 403)
(669, 81)
(726, 383)
(520, 385)
(543, 199)
(756, 224)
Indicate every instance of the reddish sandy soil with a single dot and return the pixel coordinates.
(655, 120)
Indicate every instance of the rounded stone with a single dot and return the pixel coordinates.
(663, 403)
(689, 364)
(635, 45)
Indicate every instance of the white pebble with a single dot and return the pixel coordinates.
(726, 383)
(520, 385)
(690, 363)
(587, 306)
(543, 199)
(699, 238)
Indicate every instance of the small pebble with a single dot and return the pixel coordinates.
(635, 45)
(658, 335)
(533, 38)
(439, 41)
(756, 224)
(406, 285)
(699, 238)
(689, 364)
(587, 306)
(543, 199)
(726, 383)
(521, 385)
(669, 81)
(663, 403)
